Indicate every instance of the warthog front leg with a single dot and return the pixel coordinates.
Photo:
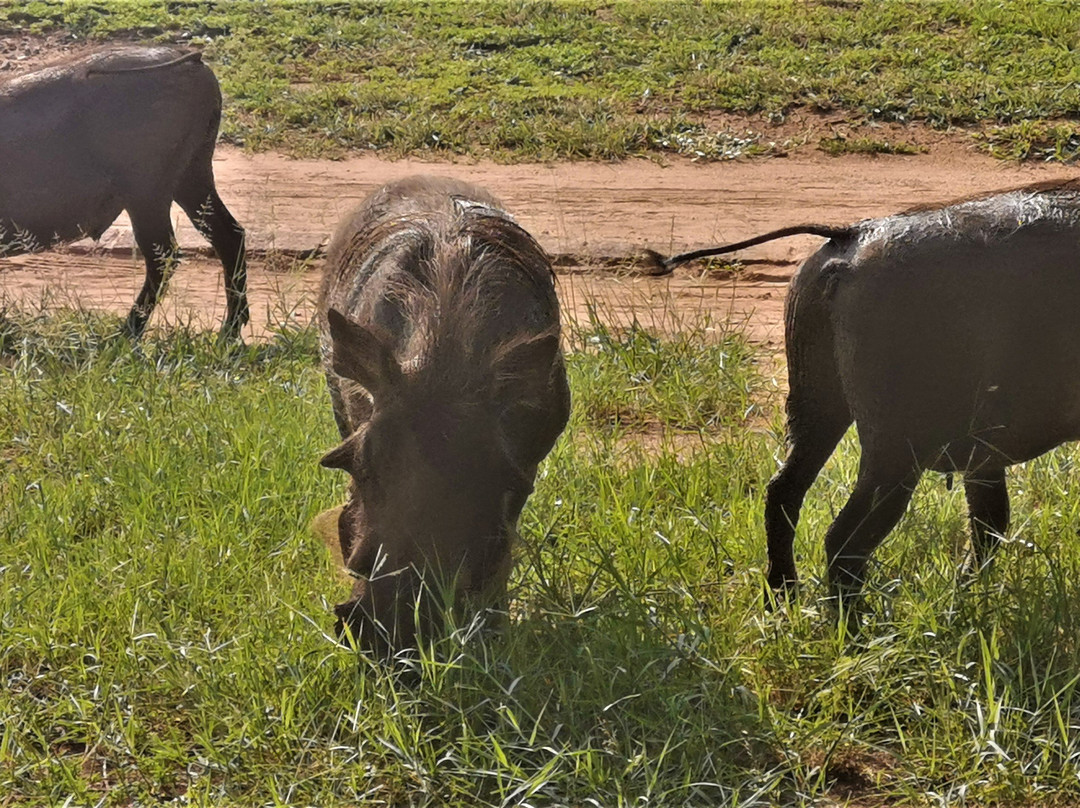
(988, 513)
(154, 235)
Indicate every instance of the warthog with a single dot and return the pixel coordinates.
(127, 128)
(440, 336)
(950, 336)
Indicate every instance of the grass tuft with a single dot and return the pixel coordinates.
(839, 144)
(1033, 140)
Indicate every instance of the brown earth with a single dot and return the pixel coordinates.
(592, 217)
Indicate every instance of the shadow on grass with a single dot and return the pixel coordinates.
(598, 705)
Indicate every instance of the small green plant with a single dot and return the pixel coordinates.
(838, 144)
(1030, 140)
(701, 376)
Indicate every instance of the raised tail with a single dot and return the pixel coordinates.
(658, 265)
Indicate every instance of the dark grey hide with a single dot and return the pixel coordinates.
(440, 337)
(950, 336)
(126, 128)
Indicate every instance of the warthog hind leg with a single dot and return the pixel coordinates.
(200, 201)
(815, 426)
(785, 495)
(881, 494)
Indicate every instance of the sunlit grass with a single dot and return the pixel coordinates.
(600, 80)
(164, 608)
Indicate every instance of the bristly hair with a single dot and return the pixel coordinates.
(458, 264)
(95, 62)
(1061, 186)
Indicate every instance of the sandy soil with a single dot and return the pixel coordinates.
(592, 217)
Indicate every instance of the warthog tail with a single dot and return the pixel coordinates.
(658, 265)
(193, 56)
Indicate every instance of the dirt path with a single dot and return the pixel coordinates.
(591, 216)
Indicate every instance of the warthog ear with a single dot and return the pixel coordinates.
(523, 389)
(522, 369)
(361, 356)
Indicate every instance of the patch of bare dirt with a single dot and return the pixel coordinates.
(592, 216)
(21, 52)
(805, 127)
(109, 281)
(284, 290)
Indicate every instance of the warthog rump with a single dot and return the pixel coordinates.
(951, 337)
(126, 128)
(440, 337)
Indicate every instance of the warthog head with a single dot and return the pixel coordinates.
(437, 483)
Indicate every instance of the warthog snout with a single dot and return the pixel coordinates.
(396, 605)
(388, 612)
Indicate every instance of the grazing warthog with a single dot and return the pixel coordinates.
(440, 337)
(127, 128)
(951, 337)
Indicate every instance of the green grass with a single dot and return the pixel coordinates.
(525, 80)
(1031, 140)
(164, 609)
(838, 145)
